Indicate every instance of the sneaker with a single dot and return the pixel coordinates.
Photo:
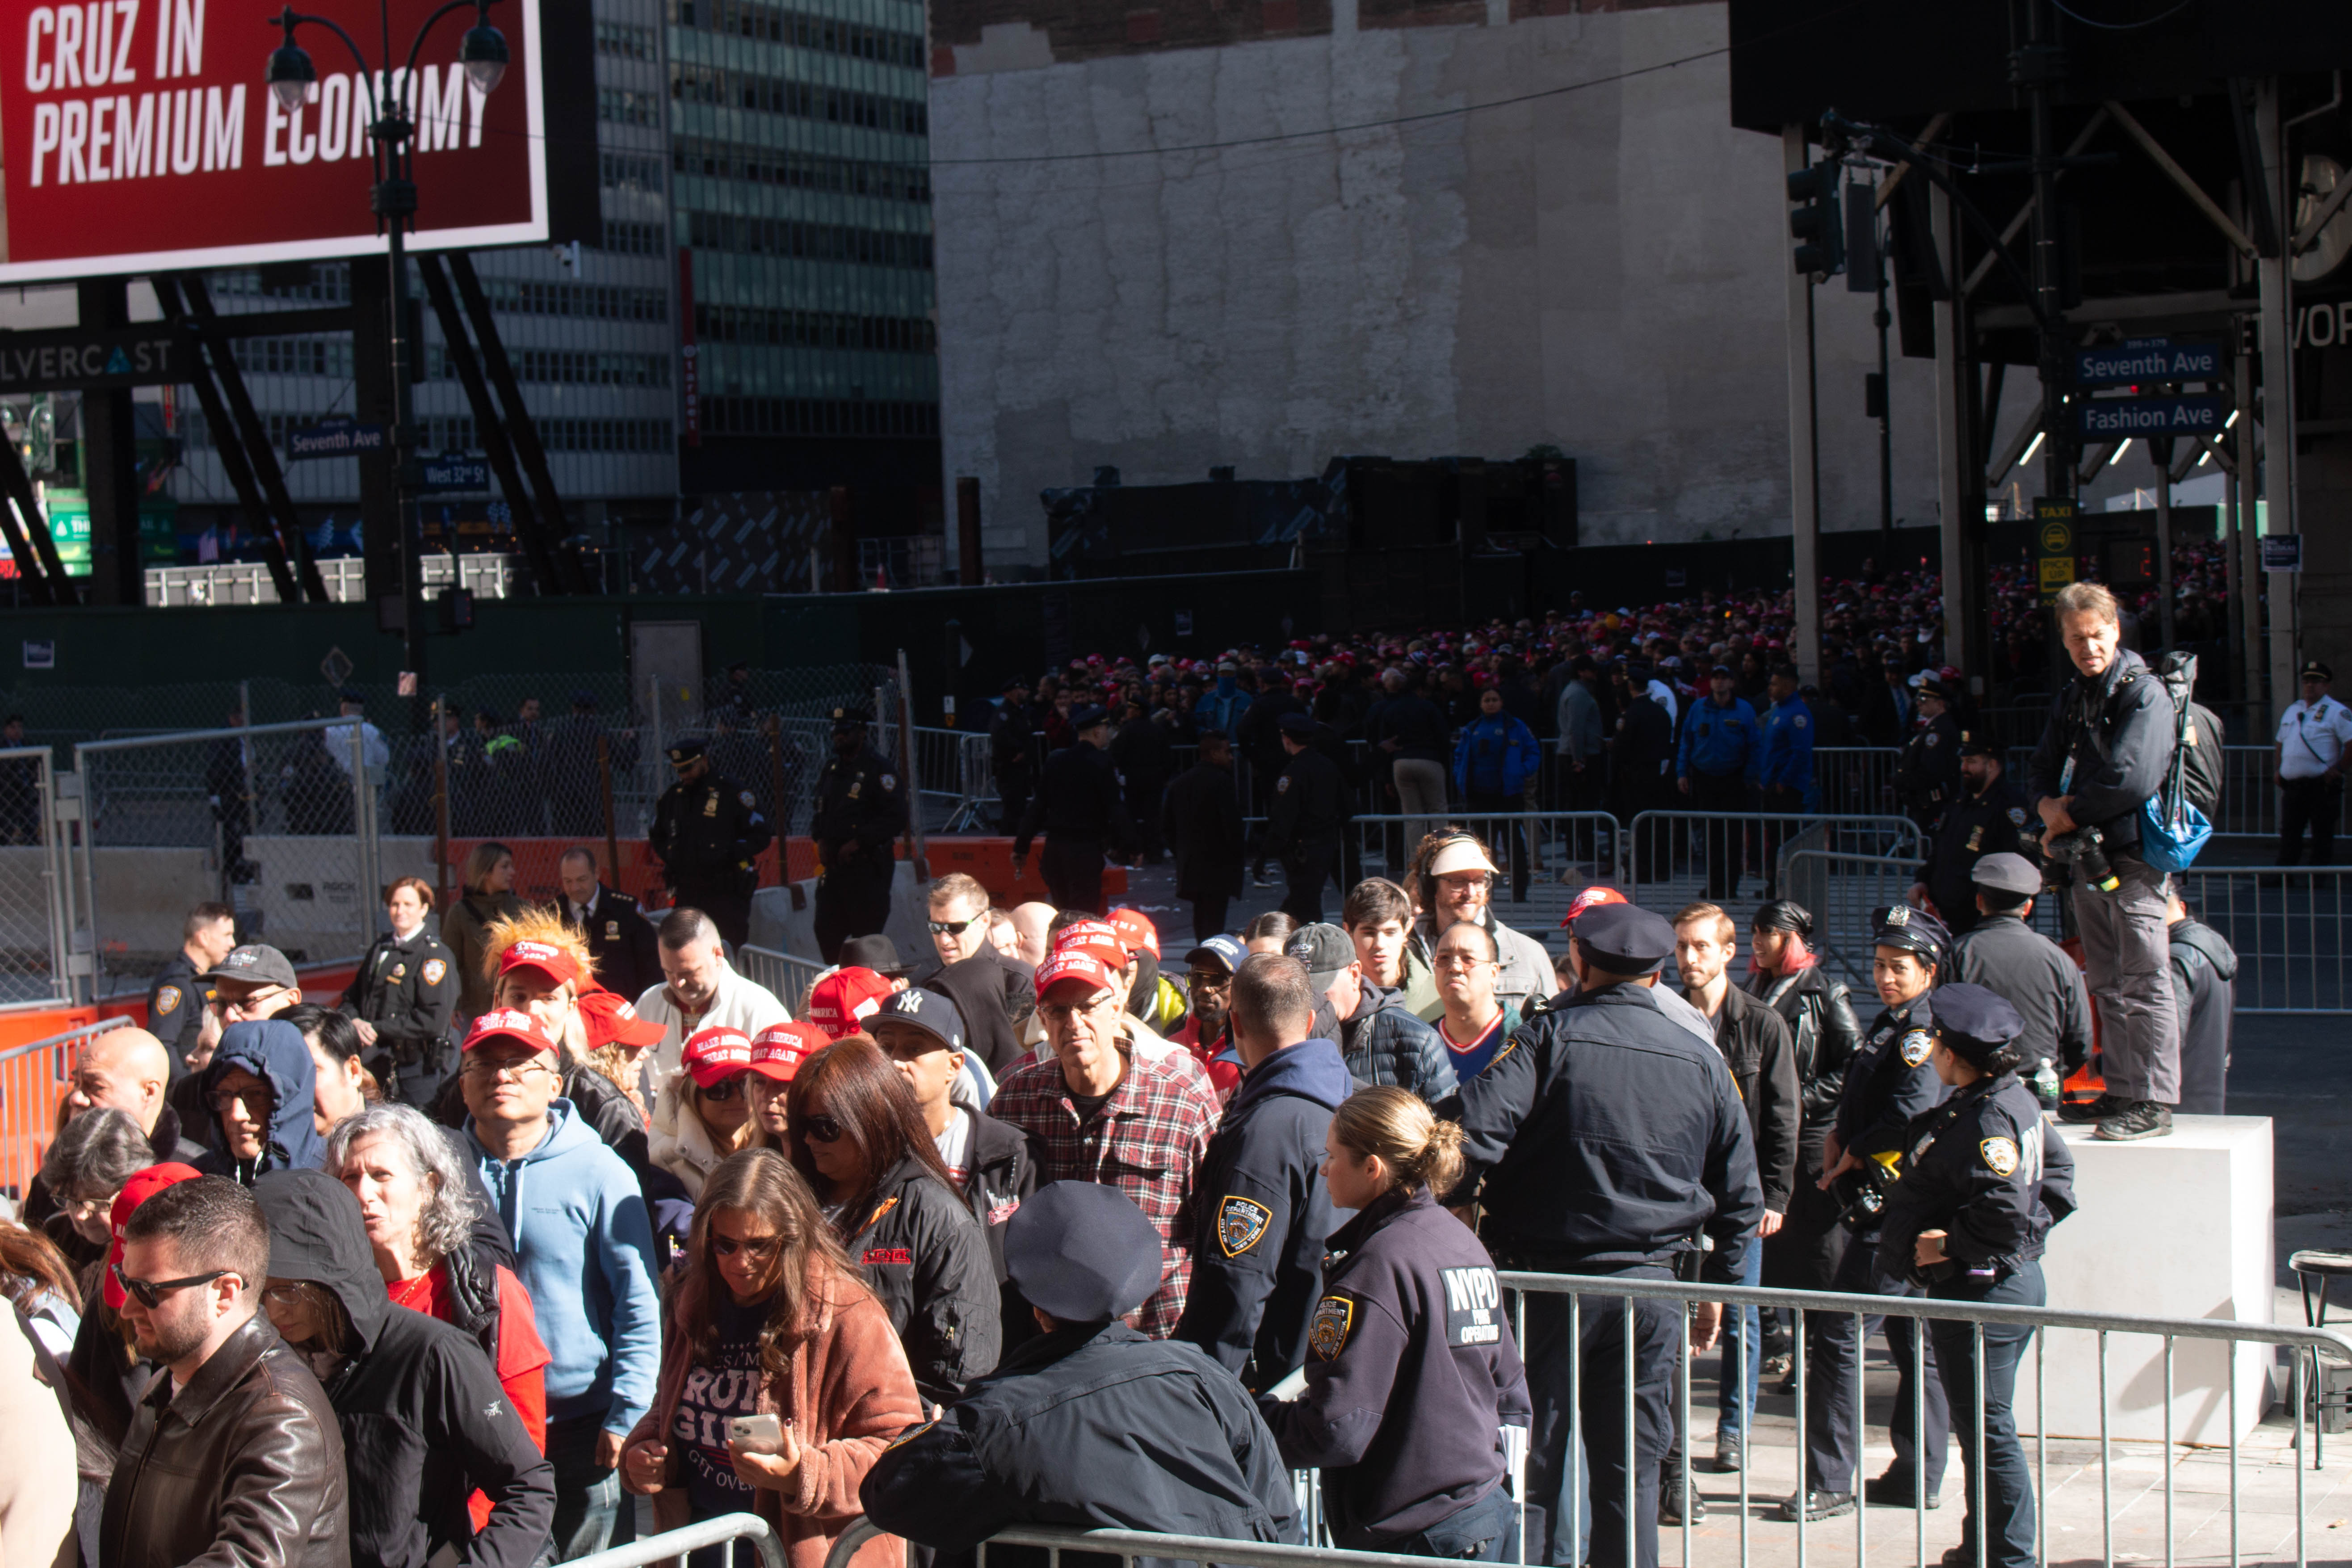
(1817, 1506)
(1776, 1368)
(2099, 1110)
(1899, 1488)
(2134, 1119)
(1730, 1454)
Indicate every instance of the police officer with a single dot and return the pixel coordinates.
(403, 994)
(1012, 763)
(1928, 774)
(1053, 1438)
(1721, 748)
(1254, 1292)
(1603, 1140)
(1887, 1083)
(707, 830)
(2204, 993)
(860, 813)
(1987, 816)
(2013, 961)
(1982, 1180)
(177, 1000)
(1414, 1397)
(1081, 806)
(1303, 828)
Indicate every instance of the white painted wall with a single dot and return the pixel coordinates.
(1601, 269)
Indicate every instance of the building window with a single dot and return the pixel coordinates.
(801, 29)
(817, 417)
(800, 170)
(636, 238)
(621, 172)
(618, 106)
(808, 241)
(766, 326)
(627, 42)
(726, 89)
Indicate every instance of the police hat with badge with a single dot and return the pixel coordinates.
(1911, 931)
(1082, 1253)
(1982, 1027)
(851, 718)
(688, 749)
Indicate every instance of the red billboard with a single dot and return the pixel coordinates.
(141, 137)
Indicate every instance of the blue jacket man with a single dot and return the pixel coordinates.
(1222, 705)
(1496, 755)
(1720, 736)
(1786, 767)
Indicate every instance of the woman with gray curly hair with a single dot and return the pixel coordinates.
(420, 1207)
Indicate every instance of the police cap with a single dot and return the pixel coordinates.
(1082, 1253)
(688, 749)
(1916, 931)
(1624, 939)
(1087, 716)
(1785, 914)
(1979, 744)
(2007, 873)
(1296, 725)
(1014, 684)
(851, 718)
(1932, 685)
(2315, 670)
(877, 952)
(1974, 1023)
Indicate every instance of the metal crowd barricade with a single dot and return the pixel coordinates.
(2250, 797)
(953, 779)
(2288, 926)
(1670, 858)
(34, 1077)
(278, 820)
(723, 1530)
(1857, 780)
(1562, 852)
(786, 975)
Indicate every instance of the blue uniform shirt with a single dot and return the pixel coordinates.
(1788, 759)
(1718, 739)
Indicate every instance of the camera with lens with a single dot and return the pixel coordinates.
(2085, 850)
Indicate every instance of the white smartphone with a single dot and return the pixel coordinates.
(756, 1433)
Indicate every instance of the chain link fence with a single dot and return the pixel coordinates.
(278, 821)
(33, 920)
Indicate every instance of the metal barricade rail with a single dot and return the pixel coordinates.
(676, 1543)
(2288, 925)
(33, 1078)
(786, 975)
(1545, 857)
(1671, 858)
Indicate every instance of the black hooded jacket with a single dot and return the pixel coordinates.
(275, 1051)
(926, 1259)
(425, 1422)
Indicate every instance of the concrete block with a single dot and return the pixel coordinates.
(2169, 1228)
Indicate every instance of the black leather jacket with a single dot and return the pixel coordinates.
(1820, 1015)
(245, 1466)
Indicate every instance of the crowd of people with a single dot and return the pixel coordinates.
(517, 1246)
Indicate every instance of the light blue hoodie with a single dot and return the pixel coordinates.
(585, 1244)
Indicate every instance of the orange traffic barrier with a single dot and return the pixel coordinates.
(988, 860)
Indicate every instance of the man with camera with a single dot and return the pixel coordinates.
(2104, 756)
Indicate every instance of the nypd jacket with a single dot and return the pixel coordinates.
(1889, 1081)
(927, 1261)
(2108, 744)
(1094, 1426)
(1605, 1134)
(1413, 1373)
(1718, 741)
(1787, 760)
(408, 990)
(1994, 822)
(2010, 959)
(1985, 1169)
(1255, 1274)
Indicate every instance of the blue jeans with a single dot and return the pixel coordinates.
(587, 1496)
(2008, 1523)
(1731, 1419)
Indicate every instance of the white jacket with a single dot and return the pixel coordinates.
(740, 1003)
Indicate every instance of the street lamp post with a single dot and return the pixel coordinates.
(392, 198)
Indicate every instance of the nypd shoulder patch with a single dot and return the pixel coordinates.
(2017, 816)
(1328, 1335)
(1914, 1046)
(1240, 1225)
(167, 1001)
(889, 781)
(1999, 1155)
(434, 969)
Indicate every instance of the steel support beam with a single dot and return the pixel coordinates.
(246, 425)
(1804, 449)
(542, 496)
(109, 428)
(228, 444)
(2277, 282)
(2180, 177)
(1963, 594)
(38, 566)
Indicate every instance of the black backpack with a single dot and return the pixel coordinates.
(2198, 755)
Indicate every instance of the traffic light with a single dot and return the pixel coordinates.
(1816, 225)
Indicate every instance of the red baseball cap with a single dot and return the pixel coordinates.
(609, 1020)
(544, 956)
(1102, 940)
(1137, 928)
(1589, 898)
(716, 1054)
(841, 1002)
(1074, 965)
(506, 1024)
(143, 1186)
(778, 1050)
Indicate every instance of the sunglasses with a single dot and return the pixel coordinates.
(150, 1292)
(821, 1129)
(760, 1246)
(725, 1090)
(952, 928)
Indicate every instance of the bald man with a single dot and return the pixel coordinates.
(1030, 922)
(123, 1069)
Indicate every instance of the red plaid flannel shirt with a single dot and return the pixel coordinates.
(1146, 1141)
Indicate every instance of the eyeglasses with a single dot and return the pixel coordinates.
(512, 1070)
(88, 1208)
(260, 1095)
(952, 928)
(821, 1129)
(725, 1090)
(758, 1246)
(1062, 1012)
(150, 1292)
(289, 1294)
(1446, 959)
